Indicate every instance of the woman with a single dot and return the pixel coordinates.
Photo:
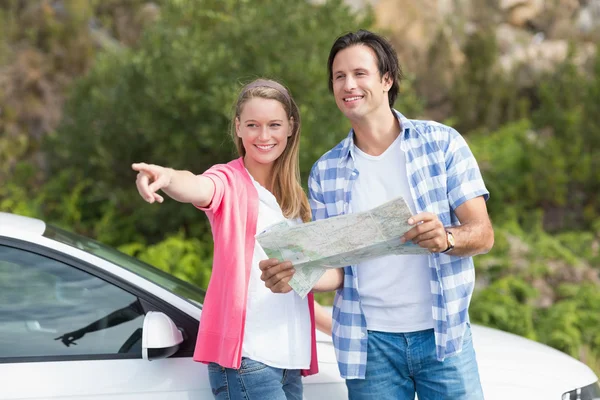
(257, 344)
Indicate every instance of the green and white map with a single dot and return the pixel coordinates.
(339, 241)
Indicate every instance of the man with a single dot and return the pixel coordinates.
(400, 322)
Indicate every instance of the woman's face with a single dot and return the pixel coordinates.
(264, 128)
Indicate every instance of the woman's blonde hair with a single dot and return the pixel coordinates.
(285, 178)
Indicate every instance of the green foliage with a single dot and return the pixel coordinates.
(408, 101)
(550, 247)
(170, 100)
(521, 169)
(550, 162)
(13, 200)
(558, 327)
(42, 46)
(572, 323)
(483, 97)
(530, 284)
(325, 298)
(188, 259)
(15, 196)
(582, 244)
(505, 304)
(568, 124)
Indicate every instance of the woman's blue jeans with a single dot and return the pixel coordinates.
(254, 381)
(402, 364)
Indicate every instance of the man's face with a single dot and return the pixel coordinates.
(358, 88)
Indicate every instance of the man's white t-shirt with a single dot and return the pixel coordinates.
(277, 330)
(394, 290)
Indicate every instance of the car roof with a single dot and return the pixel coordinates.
(31, 230)
(29, 225)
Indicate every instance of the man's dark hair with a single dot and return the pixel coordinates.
(387, 59)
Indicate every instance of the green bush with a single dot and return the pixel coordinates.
(522, 170)
(505, 304)
(189, 259)
(571, 325)
(483, 97)
(569, 122)
(169, 101)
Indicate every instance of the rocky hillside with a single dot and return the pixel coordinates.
(533, 36)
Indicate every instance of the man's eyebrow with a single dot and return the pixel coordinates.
(353, 70)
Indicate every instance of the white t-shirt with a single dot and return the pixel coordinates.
(394, 290)
(277, 330)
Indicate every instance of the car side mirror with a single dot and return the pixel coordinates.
(160, 336)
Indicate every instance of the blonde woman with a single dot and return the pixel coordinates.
(258, 344)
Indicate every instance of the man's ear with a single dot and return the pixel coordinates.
(291, 127)
(237, 127)
(387, 81)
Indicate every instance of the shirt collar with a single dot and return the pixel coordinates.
(348, 143)
(264, 195)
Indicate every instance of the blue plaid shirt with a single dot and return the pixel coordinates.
(442, 174)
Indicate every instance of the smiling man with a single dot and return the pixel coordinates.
(400, 322)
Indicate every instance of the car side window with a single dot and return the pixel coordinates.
(52, 309)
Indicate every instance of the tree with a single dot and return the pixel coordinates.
(169, 101)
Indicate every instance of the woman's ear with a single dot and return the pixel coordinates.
(291, 130)
(237, 127)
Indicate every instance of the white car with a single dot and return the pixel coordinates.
(80, 320)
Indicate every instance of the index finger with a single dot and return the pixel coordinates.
(273, 270)
(146, 168)
(139, 166)
(421, 217)
(266, 264)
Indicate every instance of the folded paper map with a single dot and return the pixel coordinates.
(339, 241)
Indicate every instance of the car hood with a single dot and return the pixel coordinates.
(510, 362)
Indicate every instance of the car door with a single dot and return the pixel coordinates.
(69, 331)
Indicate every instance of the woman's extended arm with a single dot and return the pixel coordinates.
(182, 186)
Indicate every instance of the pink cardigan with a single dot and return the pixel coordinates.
(233, 213)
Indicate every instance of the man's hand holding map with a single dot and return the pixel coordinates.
(339, 241)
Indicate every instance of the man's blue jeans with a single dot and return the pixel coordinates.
(402, 364)
(254, 381)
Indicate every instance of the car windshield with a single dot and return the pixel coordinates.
(183, 289)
